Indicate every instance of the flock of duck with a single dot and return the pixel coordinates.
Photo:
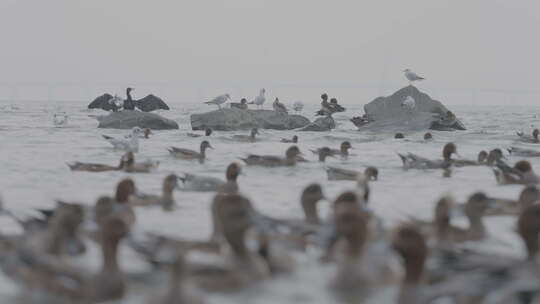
(253, 247)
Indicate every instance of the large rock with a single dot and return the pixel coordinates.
(326, 123)
(128, 119)
(389, 113)
(237, 119)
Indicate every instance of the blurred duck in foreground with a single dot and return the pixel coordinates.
(165, 200)
(274, 161)
(442, 230)
(188, 154)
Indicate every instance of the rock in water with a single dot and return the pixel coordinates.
(128, 119)
(321, 124)
(388, 113)
(237, 119)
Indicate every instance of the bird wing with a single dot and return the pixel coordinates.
(102, 102)
(151, 103)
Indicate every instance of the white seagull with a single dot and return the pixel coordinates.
(412, 76)
(259, 100)
(129, 144)
(221, 99)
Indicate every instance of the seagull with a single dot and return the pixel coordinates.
(409, 103)
(298, 106)
(221, 99)
(412, 76)
(259, 100)
(129, 144)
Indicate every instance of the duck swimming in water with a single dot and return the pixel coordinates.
(274, 161)
(529, 138)
(188, 154)
(521, 173)
(207, 132)
(334, 173)
(343, 150)
(93, 167)
(413, 161)
(247, 138)
(294, 140)
(209, 184)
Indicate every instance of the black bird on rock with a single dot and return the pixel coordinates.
(147, 104)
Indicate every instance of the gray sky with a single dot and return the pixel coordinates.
(254, 43)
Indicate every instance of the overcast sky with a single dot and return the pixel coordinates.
(483, 44)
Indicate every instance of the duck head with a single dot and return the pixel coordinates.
(333, 100)
(371, 173)
(494, 155)
(442, 215)
(243, 101)
(292, 152)
(254, 132)
(207, 132)
(170, 183)
(311, 195)
(147, 132)
(324, 96)
(295, 139)
(476, 205)
(482, 157)
(448, 150)
(535, 133)
(124, 190)
(528, 228)
(345, 146)
(428, 136)
(233, 171)
(529, 196)
(205, 145)
(523, 166)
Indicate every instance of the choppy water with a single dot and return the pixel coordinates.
(33, 154)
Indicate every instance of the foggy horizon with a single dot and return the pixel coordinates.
(239, 46)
